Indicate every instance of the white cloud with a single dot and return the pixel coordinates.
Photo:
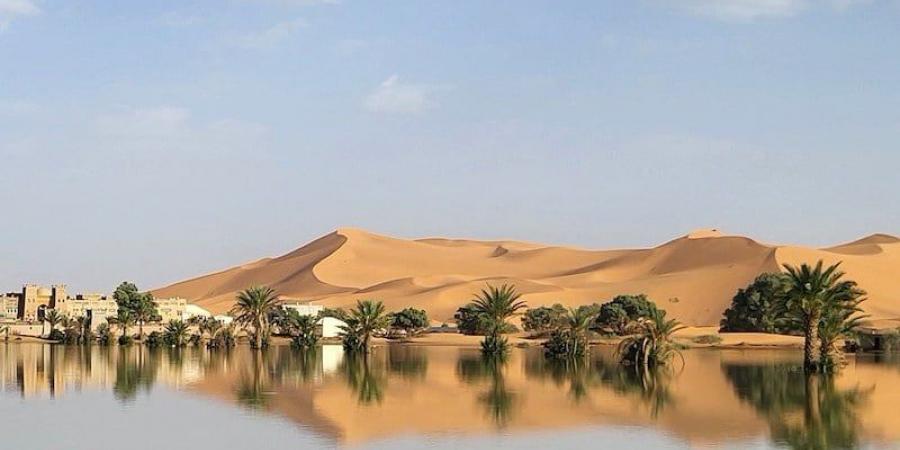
(12, 9)
(395, 97)
(147, 122)
(272, 36)
(17, 108)
(178, 20)
(752, 10)
(173, 129)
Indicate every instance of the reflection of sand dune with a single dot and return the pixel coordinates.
(694, 277)
(719, 397)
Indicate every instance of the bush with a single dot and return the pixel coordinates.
(753, 309)
(56, 335)
(410, 320)
(125, 340)
(155, 339)
(104, 337)
(560, 345)
(72, 336)
(543, 318)
(616, 314)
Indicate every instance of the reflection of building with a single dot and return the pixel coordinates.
(330, 325)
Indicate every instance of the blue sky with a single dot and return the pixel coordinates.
(153, 141)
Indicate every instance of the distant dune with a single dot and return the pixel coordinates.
(693, 277)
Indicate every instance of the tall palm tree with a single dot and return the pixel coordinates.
(123, 319)
(496, 306)
(53, 318)
(362, 322)
(650, 345)
(840, 318)
(810, 291)
(145, 311)
(253, 307)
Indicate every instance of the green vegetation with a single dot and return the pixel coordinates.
(303, 328)
(361, 323)
(755, 308)
(53, 318)
(495, 306)
(570, 340)
(176, 333)
(123, 319)
(469, 322)
(817, 300)
(253, 308)
(617, 315)
(650, 343)
(409, 320)
(544, 319)
(140, 305)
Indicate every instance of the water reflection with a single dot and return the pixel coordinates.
(720, 398)
(804, 411)
(497, 399)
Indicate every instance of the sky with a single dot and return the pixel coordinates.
(157, 141)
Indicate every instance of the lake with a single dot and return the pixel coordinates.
(59, 397)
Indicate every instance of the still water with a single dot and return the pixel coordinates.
(57, 397)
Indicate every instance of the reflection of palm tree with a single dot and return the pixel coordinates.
(364, 377)
(251, 390)
(498, 400)
(408, 362)
(805, 411)
(133, 373)
(649, 384)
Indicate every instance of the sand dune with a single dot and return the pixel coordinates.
(693, 277)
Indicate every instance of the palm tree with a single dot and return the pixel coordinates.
(650, 344)
(253, 307)
(810, 291)
(841, 317)
(53, 318)
(145, 311)
(570, 338)
(496, 305)
(303, 328)
(123, 319)
(362, 322)
(176, 333)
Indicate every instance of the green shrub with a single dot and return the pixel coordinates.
(56, 335)
(707, 339)
(125, 340)
(617, 314)
(543, 318)
(753, 308)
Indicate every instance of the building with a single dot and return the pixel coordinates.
(35, 299)
(9, 307)
(331, 327)
(170, 308)
(95, 308)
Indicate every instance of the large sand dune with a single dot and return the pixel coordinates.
(693, 277)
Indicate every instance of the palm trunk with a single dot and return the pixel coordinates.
(141, 330)
(811, 343)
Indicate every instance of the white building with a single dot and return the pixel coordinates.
(330, 325)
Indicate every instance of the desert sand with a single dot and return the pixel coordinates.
(693, 277)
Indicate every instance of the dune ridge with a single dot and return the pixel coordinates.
(693, 277)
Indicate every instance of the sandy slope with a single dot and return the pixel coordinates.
(693, 277)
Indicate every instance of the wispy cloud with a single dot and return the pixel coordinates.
(753, 10)
(272, 36)
(179, 20)
(393, 96)
(12, 9)
(17, 108)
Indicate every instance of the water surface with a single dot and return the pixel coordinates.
(434, 397)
